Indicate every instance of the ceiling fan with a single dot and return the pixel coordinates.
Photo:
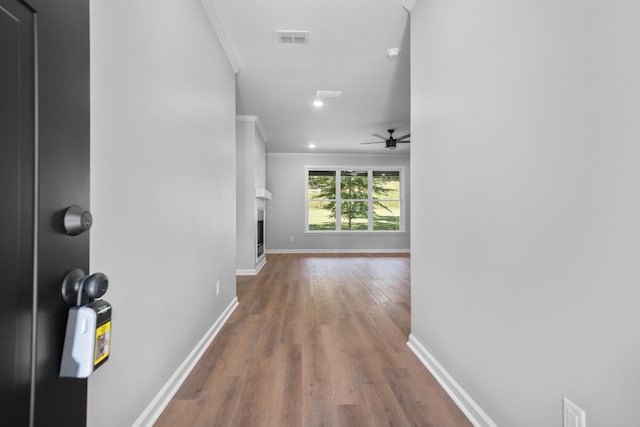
(390, 143)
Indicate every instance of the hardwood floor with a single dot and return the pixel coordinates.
(318, 340)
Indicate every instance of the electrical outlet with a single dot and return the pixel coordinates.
(573, 416)
(218, 288)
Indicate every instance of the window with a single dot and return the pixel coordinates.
(362, 199)
(321, 190)
(386, 200)
(354, 200)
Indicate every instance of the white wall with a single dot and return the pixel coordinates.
(525, 272)
(285, 215)
(162, 192)
(250, 175)
(245, 197)
(261, 161)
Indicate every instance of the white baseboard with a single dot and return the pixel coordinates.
(338, 251)
(467, 405)
(263, 261)
(153, 411)
(255, 271)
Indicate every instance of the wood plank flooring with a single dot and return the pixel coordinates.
(318, 340)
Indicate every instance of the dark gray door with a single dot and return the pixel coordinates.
(16, 214)
(44, 168)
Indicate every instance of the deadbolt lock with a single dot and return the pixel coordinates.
(77, 220)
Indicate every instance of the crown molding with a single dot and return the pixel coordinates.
(246, 118)
(222, 35)
(261, 131)
(408, 4)
(342, 154)
(258, 124)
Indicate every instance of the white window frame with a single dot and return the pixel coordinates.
(370, 200)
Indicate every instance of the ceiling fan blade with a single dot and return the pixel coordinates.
(379, 136)
(402, 142)
(374, 142)
(403, 137)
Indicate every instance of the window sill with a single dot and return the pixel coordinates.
(356, 232)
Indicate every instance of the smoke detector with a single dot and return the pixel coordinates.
(293, 37)
(392, 53)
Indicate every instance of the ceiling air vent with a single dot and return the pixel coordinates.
(328, 93)
(293, 37)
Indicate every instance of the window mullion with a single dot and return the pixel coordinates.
(370, 198)
(338, 201)
(401, 195)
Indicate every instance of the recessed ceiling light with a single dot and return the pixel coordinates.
(318, 103)
(312, 145)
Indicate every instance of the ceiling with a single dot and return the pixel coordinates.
(347, 51)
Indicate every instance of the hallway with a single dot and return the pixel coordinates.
(316, 340)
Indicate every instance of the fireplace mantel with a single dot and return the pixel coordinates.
(263, 193)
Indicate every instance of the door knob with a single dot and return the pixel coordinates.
(76, 284)
(77, 220)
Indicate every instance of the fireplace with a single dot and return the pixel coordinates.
(260, 234)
